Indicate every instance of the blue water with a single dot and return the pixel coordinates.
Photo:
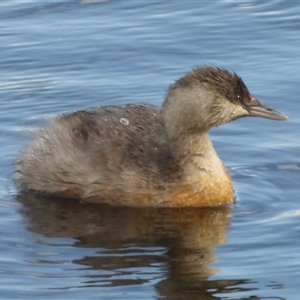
(61, 56)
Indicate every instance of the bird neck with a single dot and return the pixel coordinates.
(197, 157)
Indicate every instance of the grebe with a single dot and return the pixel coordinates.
(141, 155)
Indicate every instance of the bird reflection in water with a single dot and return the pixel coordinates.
(178, 242)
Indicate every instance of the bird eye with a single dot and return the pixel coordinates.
(250, 101)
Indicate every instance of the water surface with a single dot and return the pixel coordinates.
(63, 55)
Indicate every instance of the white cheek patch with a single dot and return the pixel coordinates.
(238, 111)
(232, 111)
